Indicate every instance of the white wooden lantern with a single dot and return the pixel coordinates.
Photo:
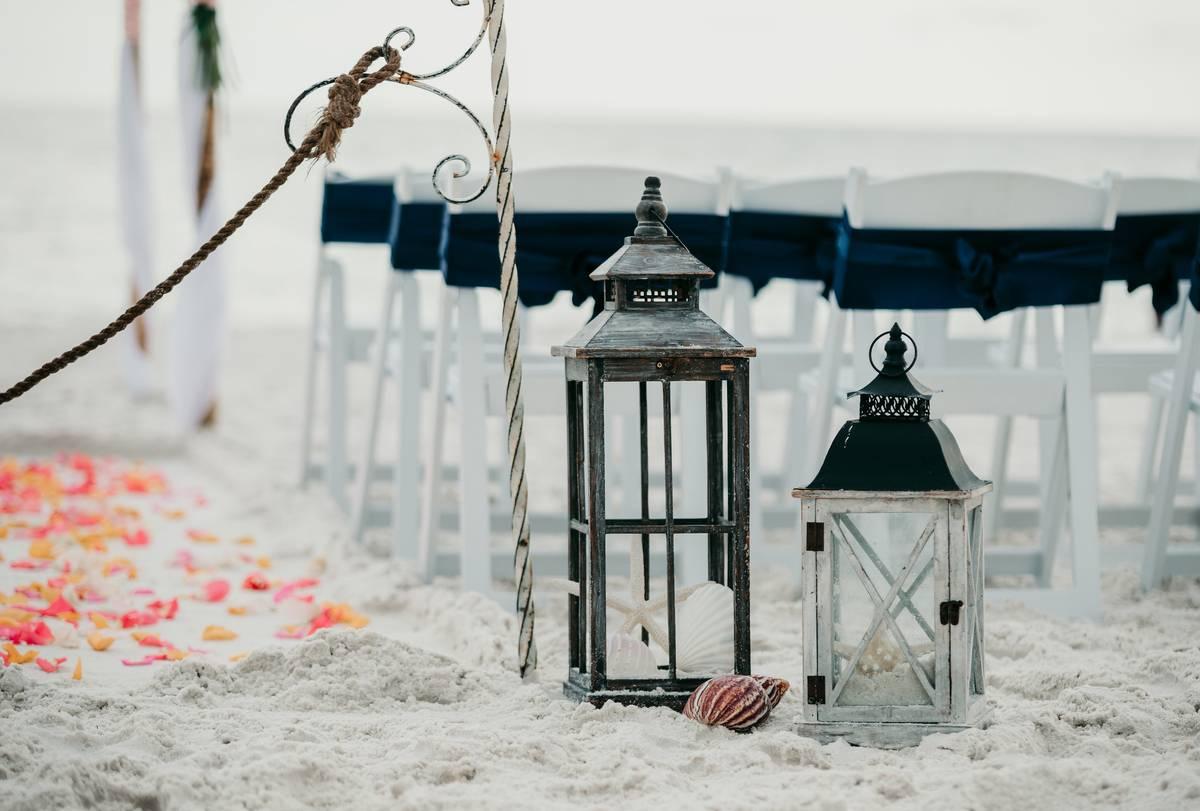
(893, 573)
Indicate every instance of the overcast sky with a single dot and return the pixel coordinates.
(1111, 65)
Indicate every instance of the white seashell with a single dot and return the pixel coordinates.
(704, 636)
(630, 658)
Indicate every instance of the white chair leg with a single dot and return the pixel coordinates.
(1150, 449)
(931, 328)
(366, 468)
(1082, 459)
(1154, 563)
(431, 506)
(822, 404)
(1046, 357)
(1002, 442)
(804, 311)
(1050, 519)
(310, 369)
(476, 559)
(337, 455)
(740, 294)
(864, 329)
(406, 473)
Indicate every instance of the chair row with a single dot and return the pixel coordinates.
(989, 242)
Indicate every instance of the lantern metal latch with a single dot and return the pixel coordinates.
(816, 690)
(949, 611)
(814, 540)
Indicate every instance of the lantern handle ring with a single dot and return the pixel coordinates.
(911, 342)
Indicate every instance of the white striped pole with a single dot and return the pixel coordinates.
(514, 406)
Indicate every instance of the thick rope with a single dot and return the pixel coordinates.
(514, 406)
(321, 141)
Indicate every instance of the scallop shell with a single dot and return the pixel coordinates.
(630, 658)
(774, 688)
(733, 702)
(704, 637)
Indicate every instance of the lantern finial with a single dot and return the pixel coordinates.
(894, 364)
(651, 211)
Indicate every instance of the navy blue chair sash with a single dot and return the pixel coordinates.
(766, 245)
(356, 210)
(557, 251)
(1157, 250)
(416, 235)
(988, 271)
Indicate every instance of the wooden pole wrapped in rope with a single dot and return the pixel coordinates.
(321, 141)
(514, 406)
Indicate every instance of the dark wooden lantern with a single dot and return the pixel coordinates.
(653, 331)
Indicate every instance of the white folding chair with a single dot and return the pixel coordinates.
(1179, 389)
(402, 353)
(358, 212)
(781, 358)
(993, 201)
(480, 384)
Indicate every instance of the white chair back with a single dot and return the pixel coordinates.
(979, 200)
(601, 189)
(1158, 195)
(416, 186)
(820, 196)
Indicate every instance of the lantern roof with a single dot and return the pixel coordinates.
(894, 445)
(652, 293)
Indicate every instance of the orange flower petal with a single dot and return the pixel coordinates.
(78, 674)
(215, 633)
(99, 641)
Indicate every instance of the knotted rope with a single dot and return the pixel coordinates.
(321, 141)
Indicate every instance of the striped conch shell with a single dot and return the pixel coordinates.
(733, 702)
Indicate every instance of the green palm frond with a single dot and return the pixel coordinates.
(208, 43)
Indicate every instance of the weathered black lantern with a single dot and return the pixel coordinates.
(893, 573)
(652, 331)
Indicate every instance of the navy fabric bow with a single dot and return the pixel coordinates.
(416, 235)
(356, 210)
(765, 245)
(557, 251)
(988, 271)
(1158, 250)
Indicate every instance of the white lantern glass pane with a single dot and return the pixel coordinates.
(883, 569)
(975, 583)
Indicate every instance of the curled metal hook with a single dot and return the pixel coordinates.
(417, 80)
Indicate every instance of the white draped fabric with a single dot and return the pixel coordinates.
(199, 321)
(133, 183)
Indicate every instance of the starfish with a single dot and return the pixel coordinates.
(637, 610)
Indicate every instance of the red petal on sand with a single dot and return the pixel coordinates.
(133, 619)
(27, 633)
(58, 608)
(138, 538)
(286, 590)
(216, 590)
(165, 609)
(48, 666)
(256, 582)
(148, 659)
(29, 564)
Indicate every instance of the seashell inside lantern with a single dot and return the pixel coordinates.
(733, 702)
(630, 658)
(773, 687)
(704, 638)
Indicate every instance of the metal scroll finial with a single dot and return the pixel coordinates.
(459, 165)
(651, 211)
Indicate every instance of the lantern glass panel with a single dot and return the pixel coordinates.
(974, 619)
(884, 570)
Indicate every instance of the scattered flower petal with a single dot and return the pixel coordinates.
(215, 633)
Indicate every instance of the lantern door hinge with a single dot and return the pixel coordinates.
(816, 690)
(815, 537)
(949, 611)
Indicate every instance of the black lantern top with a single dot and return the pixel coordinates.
(894, 445)
(652, 298)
